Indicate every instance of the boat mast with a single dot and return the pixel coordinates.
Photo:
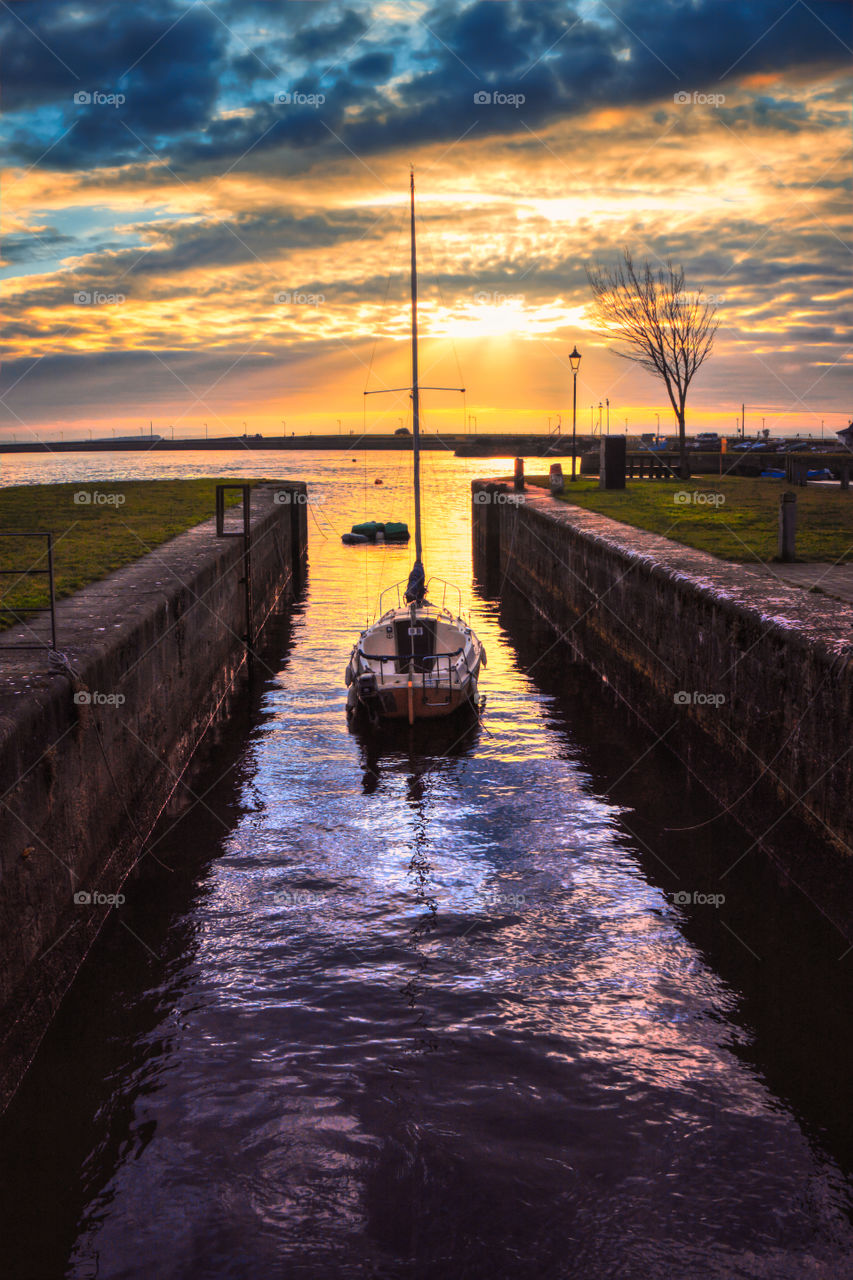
(416, 408)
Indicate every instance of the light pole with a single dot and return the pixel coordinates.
(574, 361)
(657, 415)
(600, 411)
(607, 402)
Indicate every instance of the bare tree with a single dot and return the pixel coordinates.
(661, 327)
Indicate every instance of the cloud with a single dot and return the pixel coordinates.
(180, 68)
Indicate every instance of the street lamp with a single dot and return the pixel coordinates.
(607, 402)
(574, 361)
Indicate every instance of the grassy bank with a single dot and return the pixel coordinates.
(731, 517)
(121, 521)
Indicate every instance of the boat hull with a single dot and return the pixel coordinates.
(400, 702)
(415, 663)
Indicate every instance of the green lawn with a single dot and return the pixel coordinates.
(732, 517)
(122, 521)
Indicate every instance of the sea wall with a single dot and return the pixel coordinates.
(92, 751)
(749, 681)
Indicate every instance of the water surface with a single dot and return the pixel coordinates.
(430, 1007)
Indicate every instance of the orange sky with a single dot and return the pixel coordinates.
(271, 292)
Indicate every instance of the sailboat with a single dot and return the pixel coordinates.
(420, 659)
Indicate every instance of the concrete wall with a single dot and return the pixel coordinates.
(751, 680)
(156, 648)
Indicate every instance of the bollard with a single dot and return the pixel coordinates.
(519, 475)
(612, 469)
(555, 478)
(787, 526)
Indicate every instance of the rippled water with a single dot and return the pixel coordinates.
(432, 1009)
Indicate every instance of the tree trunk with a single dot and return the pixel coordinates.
(683, 468)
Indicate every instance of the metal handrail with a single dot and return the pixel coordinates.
(447, 586)
(435, 672)
(19, 573)
(407, 657)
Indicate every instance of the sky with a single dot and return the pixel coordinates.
(204, 210)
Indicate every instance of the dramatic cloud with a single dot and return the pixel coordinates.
(189, 166)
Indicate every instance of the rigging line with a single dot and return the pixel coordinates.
(393, 259)
(325, 536)
(426, 238)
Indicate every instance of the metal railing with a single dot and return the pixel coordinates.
(25, 573)
(446, 587)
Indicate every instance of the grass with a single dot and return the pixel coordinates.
(743, 526)
(91, 540)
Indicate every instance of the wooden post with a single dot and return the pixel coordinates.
(519, 475)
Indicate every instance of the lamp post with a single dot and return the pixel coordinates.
(607, 402)
(574, 361)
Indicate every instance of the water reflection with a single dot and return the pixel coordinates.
(422, 1006)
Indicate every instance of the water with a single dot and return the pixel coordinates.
(432, 1009)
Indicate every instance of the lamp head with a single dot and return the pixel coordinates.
(575, 359)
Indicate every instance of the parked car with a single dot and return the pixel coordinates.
(707, 438)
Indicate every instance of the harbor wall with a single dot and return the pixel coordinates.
(93, 744)
(748, 680)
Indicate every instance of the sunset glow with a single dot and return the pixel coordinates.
(222, 246)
